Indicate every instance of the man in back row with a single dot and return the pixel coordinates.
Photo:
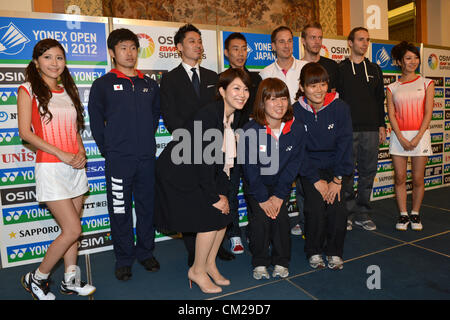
(285, 67)
(312, 36)
(360, 84)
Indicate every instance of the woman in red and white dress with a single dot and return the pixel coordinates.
(50, 117)
(410, 105)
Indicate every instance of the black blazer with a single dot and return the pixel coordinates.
(209, 177)
(179, 102)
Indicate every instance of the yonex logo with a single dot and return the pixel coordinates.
(12, 40)
(382, 57)
(249, 50)
(3, 116)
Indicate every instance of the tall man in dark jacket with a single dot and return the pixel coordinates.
(124, 114)
(184, 90)
(360, 84)
(235, 49)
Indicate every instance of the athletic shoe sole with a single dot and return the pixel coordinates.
(401, 227)
(69, 292)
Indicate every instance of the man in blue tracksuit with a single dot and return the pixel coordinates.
(124, 110)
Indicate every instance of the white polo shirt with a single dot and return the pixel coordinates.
(291, 78)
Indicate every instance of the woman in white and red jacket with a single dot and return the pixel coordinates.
(274, 148)
(328, 157)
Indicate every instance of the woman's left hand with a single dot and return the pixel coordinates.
(79, 160)
(415, 141)
(333, 190)
(222, 204)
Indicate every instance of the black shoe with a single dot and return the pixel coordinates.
(123, 273)
(150, 264)
(223, 254)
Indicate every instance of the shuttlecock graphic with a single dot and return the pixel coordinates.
(382, 57)
(12, 40)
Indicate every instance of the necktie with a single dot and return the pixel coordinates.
(195, 81)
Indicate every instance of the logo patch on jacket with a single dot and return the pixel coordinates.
(117, 87)
(331, 126)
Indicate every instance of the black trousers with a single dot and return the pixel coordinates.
(270, 240)
(325, 225)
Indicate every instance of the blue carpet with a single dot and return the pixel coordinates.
(411, 265)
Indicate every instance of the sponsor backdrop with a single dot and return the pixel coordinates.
(27, 228)
(436, 65)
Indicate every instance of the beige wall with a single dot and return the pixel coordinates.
(438, 22)
(16, 5)
(376, 21)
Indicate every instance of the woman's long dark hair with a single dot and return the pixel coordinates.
(41, 89)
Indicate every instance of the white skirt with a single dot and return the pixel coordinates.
(58, 181)
(422, 149)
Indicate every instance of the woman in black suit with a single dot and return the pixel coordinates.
(192, 178)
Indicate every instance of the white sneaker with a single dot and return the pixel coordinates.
(281, 271)
(236, 245)
(366, 224)
(402, 222)
(335, 262)
(349, 225)
(39, 289)
(297, 230)
(316, 261)
(416, 224)
(74, 285)
(260, 272)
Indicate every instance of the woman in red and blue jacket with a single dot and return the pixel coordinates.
(274, 147)
(328, 157)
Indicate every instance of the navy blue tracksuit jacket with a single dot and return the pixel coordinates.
(289, 148)
(124, 113)
(329, 139)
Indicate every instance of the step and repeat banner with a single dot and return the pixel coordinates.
(436, 65)
(27, 228)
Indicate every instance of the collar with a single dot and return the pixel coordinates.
(329, 98)
(120, 74)
(188, 68)
(294, 65)
(285, 128)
